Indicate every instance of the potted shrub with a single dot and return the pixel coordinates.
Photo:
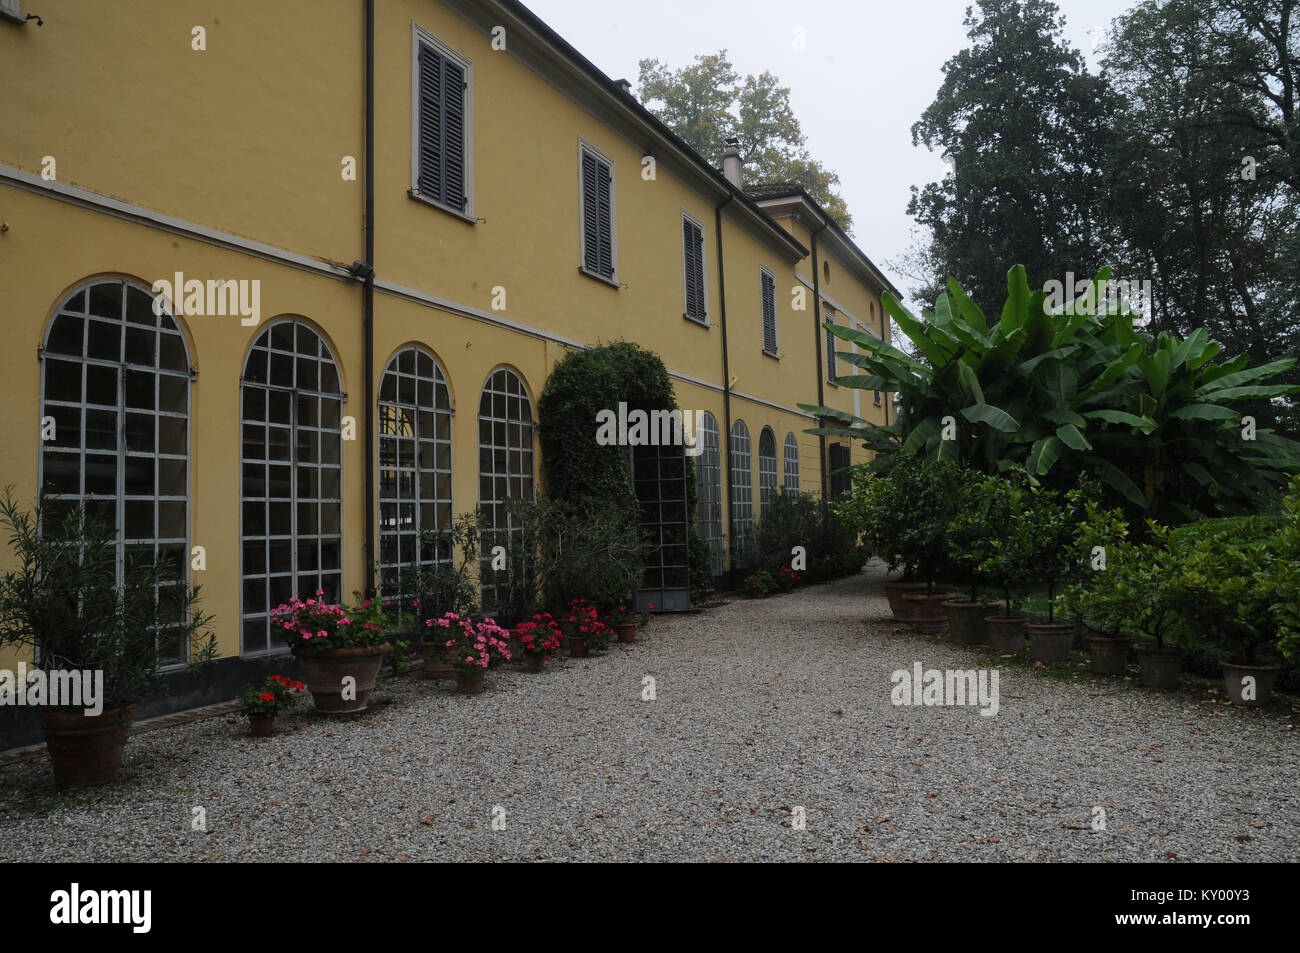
(1055, 533)
(1230, 589)
(340, 649)
(76, 609)
(539, 638)
(589, 633)
(1003, 566)
(985, 509)
(759, 584)
(623, 621)
(876, 510)
(920, 499)
(261, 703)
(473, 647)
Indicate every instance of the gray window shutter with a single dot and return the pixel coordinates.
(442, 129)
(454, 135)
(605, 219)
(590, 230)
(693, 248)
(432, 142)
(769, 314)
(831, 370)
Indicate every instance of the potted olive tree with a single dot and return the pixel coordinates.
(985, 511)
(1055, 533)
(94, 623)
(1230, 589)
(1131, 595)
(920, 498)
(876, 511)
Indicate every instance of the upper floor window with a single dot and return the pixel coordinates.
(440, 144)
(767, 283)
(598, 246)
(693, 264)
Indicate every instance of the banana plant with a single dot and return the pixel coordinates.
(1070, 390)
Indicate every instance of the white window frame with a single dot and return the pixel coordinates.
(704, 274)
(585, 146)
(420, 35)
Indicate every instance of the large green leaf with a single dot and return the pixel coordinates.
(1122, 417)
(1070, 436)
(1043, 454)
(994, 417)
(1205, 412)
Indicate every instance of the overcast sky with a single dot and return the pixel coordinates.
(870, 68)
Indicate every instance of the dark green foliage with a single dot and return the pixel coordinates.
(1154, 419)
(701, 563)
(590, 486)
(797, 519)
(63, 602)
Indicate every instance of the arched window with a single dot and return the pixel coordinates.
(791, 464)
(415, 469)
(291, 476)
(115, 379)
(766, 469)
(505, 466)
(742, 486)
(708, 480)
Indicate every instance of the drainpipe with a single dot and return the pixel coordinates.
(725, 437)
(817, 338)
(368, 301)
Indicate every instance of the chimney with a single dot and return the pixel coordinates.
(731, 165)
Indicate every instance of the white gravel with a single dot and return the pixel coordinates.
(763, 707)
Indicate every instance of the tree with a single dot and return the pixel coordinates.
(1202, 174)
(707, 103)
(1153, 417)
(1027, 129)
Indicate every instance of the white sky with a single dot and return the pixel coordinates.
(870, 68)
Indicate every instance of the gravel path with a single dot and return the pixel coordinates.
(762, 708)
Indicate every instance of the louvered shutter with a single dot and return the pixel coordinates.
(769, 314)
(432, 143)
(590, 231)
(453, 126)
(604, 219)
(693, 248)
(442, 129)
(832, 371)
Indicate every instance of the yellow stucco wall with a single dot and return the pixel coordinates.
(248, 137)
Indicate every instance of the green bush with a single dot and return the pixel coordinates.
(904, 515)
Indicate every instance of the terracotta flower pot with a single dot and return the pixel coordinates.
(1006, 634)
(626, 631)
(577, 647)
(261, 726)
(470, 682)
(966, 621)
(86, 750)
(325, 674)
(435, 664)
(926, 610)
(894, 592)
(1050, 643)
(1159, 667)
(1109, 656)
(534, 661)
(1233, 675)
(566, 633)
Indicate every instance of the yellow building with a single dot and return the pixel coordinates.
(371, 229)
